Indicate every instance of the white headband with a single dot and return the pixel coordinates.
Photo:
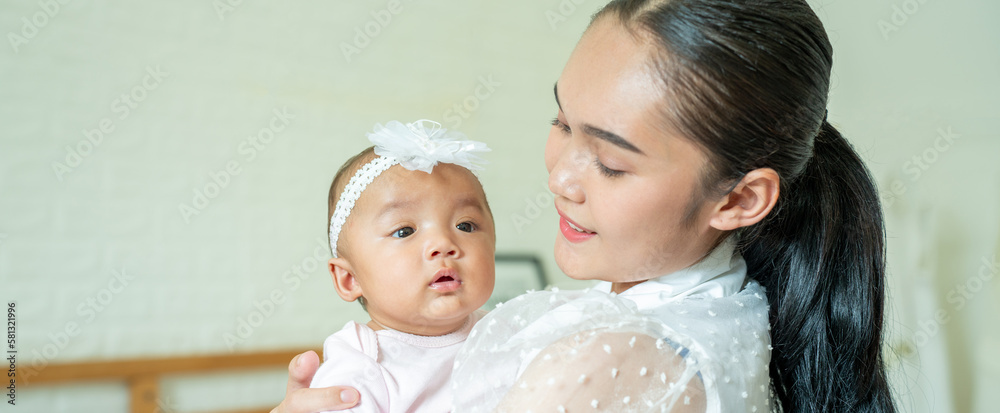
(414, 146)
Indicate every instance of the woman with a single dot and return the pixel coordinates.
(688, 125)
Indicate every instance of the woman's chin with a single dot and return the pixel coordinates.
(574, 265)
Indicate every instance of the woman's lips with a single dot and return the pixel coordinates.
(445, 281)
(573, 232)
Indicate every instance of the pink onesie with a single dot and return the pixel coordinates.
(393, 371)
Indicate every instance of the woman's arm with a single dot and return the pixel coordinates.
(299, 398)
(607, 372)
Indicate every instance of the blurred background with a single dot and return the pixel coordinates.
(165, 167)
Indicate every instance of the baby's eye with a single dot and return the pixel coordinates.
(403, 232)
(466, 227)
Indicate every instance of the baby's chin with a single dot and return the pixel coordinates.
(452, 307)
(439, 316)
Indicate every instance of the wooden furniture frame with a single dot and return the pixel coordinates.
(142, 376)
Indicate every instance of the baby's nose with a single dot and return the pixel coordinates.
(442, 246)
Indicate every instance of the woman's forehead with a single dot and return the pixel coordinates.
(610, 59)
(611, 82)
(609, 77)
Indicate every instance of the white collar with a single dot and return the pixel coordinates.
(720, 274)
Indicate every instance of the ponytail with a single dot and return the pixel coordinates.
(821, 256)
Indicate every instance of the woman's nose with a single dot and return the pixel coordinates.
(564, 177)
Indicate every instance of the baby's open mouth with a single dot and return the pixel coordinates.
(446, 280)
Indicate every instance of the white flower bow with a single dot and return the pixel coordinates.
(420, 145)
(415, 146)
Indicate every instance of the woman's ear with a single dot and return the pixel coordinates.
(753, 198)
(347, 285)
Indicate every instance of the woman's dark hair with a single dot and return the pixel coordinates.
(747, 80)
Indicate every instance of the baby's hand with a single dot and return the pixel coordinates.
(299, 398)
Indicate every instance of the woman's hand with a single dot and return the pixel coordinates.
(299, 398)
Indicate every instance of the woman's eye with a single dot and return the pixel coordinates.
(608, 172)
(565, 128)
(403, 232)
(466, 227)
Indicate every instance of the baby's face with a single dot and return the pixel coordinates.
(422, 248)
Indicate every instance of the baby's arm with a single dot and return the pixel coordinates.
(607, 372)
(346, 366)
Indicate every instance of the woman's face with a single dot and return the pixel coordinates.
(623, 185)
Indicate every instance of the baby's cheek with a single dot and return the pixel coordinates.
(483, 287)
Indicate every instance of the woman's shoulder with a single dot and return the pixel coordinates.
(723, 342)
(729, 337)
(719, 326)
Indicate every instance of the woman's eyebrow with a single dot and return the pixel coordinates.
(610, 137)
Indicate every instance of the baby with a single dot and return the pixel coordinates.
(415, 243)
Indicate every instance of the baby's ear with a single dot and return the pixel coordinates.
(344, 280)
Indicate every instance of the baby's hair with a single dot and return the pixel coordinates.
(340, 181)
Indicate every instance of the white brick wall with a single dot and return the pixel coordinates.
(63, 237)
(66, 234)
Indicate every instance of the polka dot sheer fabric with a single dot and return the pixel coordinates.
(586, 351)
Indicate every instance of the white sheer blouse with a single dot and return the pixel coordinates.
(692, 341)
